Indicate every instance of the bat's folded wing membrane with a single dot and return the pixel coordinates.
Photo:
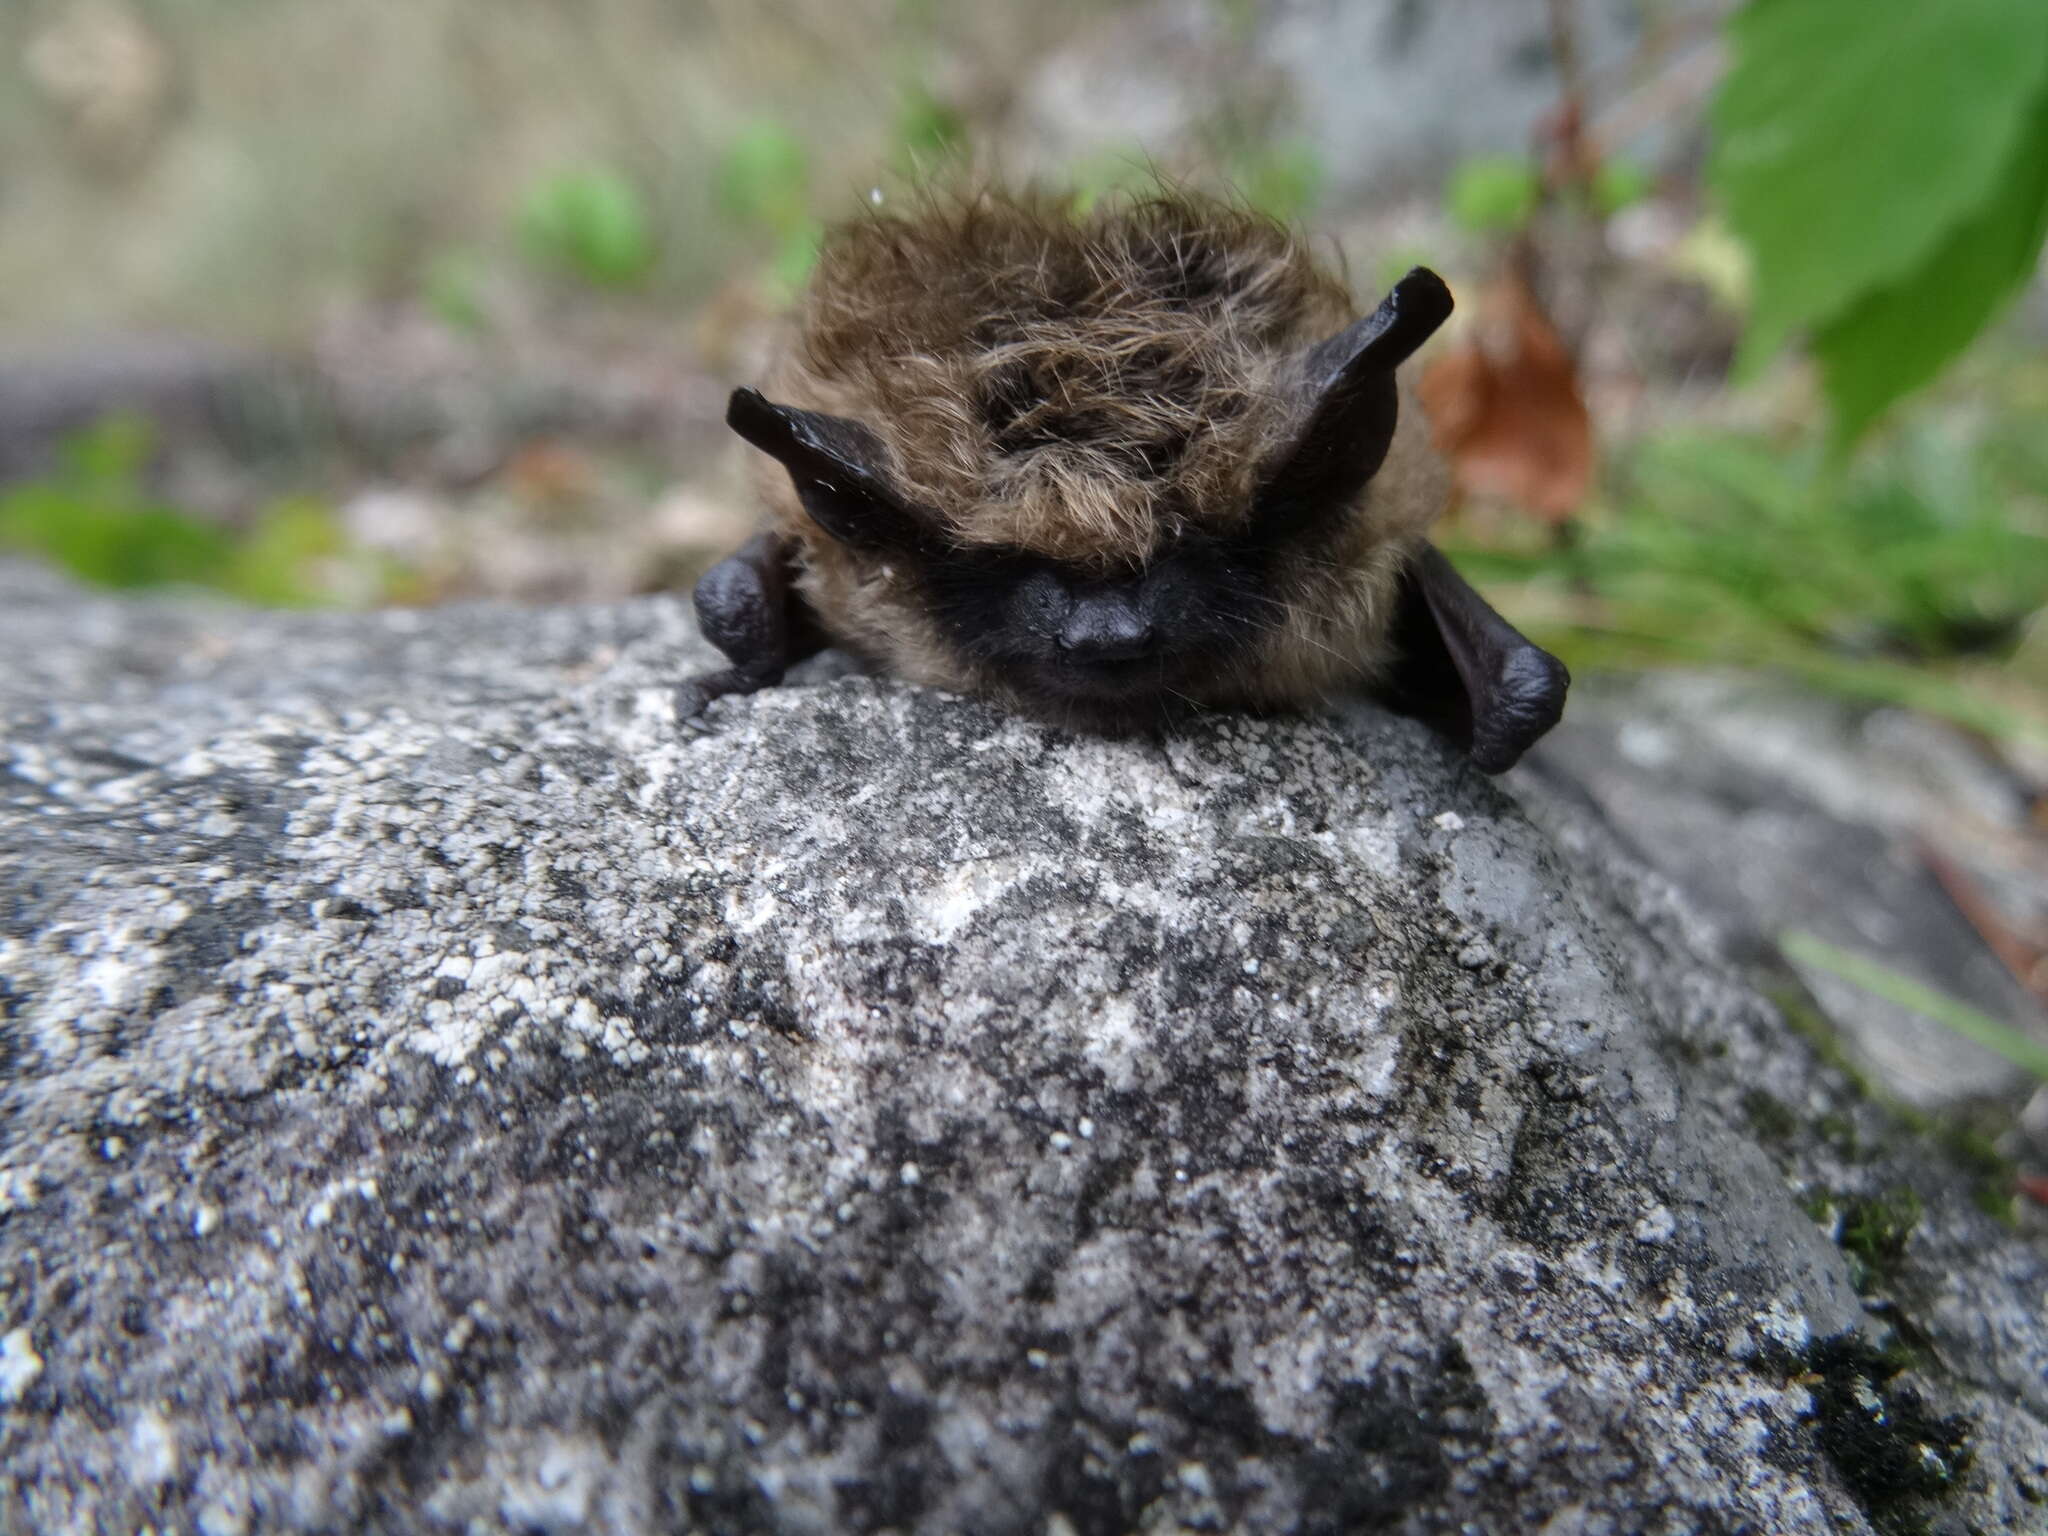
(1468, 671)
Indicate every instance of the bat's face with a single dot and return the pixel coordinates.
(1134, 638)
(1110, 639)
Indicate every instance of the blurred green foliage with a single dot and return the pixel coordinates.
(1110, 173)
(764, 176)
(1499, 194)
(929, 133)
(452, 288)
(1493, 194)
(95, 516)
(590, 223)
(1619, 183)
(1283, 179)
(1888, 167)
(764, 184)
(1913, 555)
(1879, 579)
(2015, 1045)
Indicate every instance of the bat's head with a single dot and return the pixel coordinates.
(1111, 479)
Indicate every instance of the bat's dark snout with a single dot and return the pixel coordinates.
(1106, 629)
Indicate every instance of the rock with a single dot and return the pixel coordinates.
(1395, 94)
(1778, 809)
(442, 1093)
(1390, 96)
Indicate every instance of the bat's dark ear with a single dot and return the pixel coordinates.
(836, 466)
(1468, 671)
(1352, 406)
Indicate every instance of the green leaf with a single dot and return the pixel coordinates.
(591, 223)
(1853, 138)
(1493, 194)
(96, 518)
(1110, 173)
(1898, 338)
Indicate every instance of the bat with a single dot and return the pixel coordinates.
(1110, 467)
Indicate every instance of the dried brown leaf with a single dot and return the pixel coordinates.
(1506, 409)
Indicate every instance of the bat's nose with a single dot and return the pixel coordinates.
(1103, 628)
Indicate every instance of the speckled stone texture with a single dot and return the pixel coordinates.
(442, 1093)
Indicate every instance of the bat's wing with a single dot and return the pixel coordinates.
(1468, 671)
(747, 607)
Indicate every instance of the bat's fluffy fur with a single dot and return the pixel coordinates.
(1084, 386)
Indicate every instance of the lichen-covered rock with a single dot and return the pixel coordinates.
(441, 1092)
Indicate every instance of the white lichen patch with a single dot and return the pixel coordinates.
(20, 1365)
(152, 1449)
(940, 909)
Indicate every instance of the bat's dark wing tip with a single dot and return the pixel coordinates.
(1524, 698)
(1469, 672)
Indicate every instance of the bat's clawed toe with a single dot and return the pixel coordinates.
(695, 695)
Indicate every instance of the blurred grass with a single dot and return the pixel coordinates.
(1908, 576)
(95, 517)
(1880, 980)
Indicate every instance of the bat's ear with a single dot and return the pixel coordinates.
(1468, 671)
(836, 466)
(1352, 404)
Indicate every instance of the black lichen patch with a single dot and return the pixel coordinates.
(1096, 1491)
(1393, 1447)
(1769, 1117)
(1889, 1446)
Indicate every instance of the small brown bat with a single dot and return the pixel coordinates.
(1109, 467)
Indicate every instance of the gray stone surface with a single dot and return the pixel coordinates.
(1391, 95)
(1779, 809)
(442, 1094)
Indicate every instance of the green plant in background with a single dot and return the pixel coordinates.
(95, 517)
(1887, 166)
(1111, 173)
(1900, 581)
(276, 560)
(1917, 556)
(1284, 178)
(764, 183)
(590, 223)
(929, 134)
(2022, 1050)
(452, 288)
(1619, 183)
(1499, 194)
(1494, 194)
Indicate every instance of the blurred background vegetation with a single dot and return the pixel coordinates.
(364, 301)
